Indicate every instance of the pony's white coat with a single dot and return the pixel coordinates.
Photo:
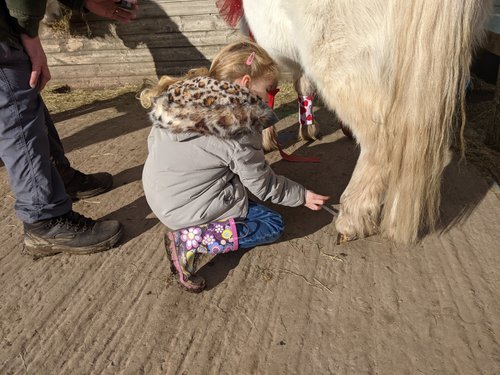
(395, 72)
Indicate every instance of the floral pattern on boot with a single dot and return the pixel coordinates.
(185, 245)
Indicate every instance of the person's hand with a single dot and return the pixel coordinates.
(110, 9)
(40, 73)
(315, 201)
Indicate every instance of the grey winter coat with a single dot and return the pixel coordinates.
(205, 148)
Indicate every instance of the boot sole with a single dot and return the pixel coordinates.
(174, 264)
(40, 250)
(91, 193)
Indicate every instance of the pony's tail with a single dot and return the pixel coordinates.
(431, 54)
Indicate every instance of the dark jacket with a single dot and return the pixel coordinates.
(24, 16)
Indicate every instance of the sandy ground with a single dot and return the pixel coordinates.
(300, 306)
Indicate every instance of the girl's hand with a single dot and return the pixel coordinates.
(315, 201)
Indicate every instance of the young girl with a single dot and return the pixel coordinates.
(205, 150)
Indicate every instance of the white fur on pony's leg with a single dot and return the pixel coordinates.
(360, 204)
(269, 139)
(304, 87)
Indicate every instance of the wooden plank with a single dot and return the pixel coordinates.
(168, 37)
(107, 82)
(105, 75)
(102, 75)
(149, 26)
(167, 8)
(199, 38)
(153, 9)
(104, 82)
(131, 56)
(103, 69)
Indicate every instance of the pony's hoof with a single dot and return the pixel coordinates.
(343, 238)
(309, 133)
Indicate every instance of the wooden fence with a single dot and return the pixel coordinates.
(168, 37)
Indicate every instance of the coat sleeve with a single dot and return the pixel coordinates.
(26, 15)
(249, 163)
(73, 4)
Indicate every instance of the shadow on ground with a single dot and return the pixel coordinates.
(132, 117)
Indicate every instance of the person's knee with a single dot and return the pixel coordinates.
(266, 229)
(277, 225)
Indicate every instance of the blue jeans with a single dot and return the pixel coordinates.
(25, 142)
(261, 226)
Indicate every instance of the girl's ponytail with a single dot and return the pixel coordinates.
(148, 94)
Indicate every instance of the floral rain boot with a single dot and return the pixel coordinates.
(184, 246)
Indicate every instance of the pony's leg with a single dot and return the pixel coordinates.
(352, 83)
(360, 204)
(309, 128)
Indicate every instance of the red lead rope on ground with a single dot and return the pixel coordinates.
(284, 155)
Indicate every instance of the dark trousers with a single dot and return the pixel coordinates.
(57, 154)
(27, 139)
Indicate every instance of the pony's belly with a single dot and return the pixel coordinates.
(272, 29)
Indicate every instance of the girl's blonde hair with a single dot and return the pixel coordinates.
(231, 63)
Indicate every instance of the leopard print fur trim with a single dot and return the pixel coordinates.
(207, 106)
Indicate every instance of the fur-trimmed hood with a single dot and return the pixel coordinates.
(206, 106)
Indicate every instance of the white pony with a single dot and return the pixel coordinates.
(395, 72)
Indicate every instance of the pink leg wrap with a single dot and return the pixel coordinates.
(306, 116)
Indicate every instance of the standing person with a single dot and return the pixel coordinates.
(30, 146)
(205, 150)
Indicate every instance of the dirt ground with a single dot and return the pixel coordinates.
(300, 306)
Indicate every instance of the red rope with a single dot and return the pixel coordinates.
(295, 158)
(231, 11)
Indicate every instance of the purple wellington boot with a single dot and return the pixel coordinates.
(184, 246)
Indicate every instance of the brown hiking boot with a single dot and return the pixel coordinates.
(70, 233)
